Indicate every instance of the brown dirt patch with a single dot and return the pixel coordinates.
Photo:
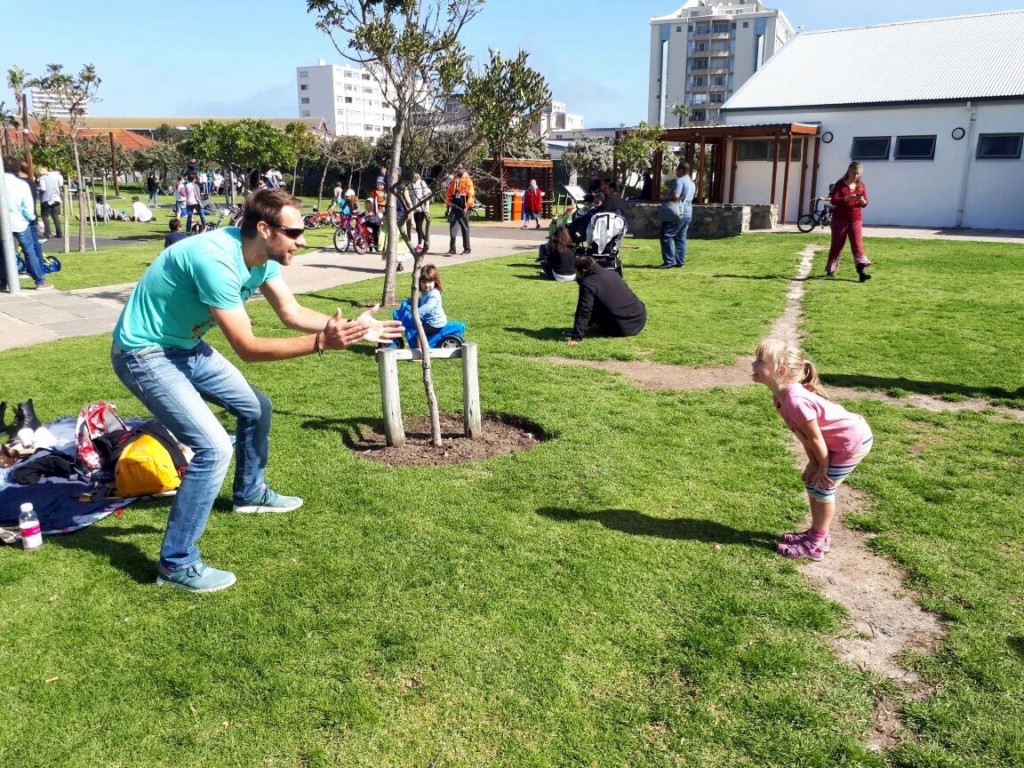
(499, 435)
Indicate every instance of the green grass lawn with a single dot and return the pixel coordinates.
(565, 606)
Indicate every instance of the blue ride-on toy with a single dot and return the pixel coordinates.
(449, 337)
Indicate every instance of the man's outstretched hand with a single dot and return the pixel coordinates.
(378, 331)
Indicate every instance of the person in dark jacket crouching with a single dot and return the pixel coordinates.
(605, 301)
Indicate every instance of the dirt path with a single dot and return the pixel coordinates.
(885, 619)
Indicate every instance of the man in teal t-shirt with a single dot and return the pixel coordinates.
(160, 355)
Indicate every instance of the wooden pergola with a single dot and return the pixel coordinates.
(720, 139)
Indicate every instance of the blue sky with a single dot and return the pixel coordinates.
(228, 58)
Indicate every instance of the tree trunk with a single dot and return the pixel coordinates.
(421, 337)
(391, 263)
(81, 198)
(320, 191)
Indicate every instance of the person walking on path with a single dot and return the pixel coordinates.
(50, 185)
(194, 202)
(460, 198)
(152, 188)
(22, 215)
(532, 202)
(835, 440)
(849, 197)
(159, 354)
(676, 213)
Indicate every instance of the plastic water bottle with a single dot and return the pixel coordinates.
(31, 532)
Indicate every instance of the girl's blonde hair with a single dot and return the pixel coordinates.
(776, 353)
(429, 273)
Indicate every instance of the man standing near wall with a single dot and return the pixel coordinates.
(674, 227)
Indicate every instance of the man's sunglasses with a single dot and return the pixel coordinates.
(293, 232)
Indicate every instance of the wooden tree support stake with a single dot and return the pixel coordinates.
(387, 363)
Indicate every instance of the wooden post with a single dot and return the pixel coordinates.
(470, 392)
(113, 164)
(394, 430)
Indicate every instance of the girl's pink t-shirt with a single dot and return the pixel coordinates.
(844, 432)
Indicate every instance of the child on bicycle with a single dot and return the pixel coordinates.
(835, 440)
(431, 310)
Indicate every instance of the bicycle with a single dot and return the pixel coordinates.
(231, 212)
(820, 215)
(316, 219)
(353, 233)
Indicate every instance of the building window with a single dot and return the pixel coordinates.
(999, 146)
(870, 148)
(914, 148)
(717, 98)
(304, 100)
(699, 63)
(303, 87)
(366, 76)
(303, 74)
(719, 27)
(305, 113)
(699, 116)
(746, 24)
(369, 128)
(699, 82)
(348, 99)
(679, 29)
(761, 149)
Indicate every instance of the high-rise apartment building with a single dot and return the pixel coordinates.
(706, 50)
(45, 103)
(347, 98)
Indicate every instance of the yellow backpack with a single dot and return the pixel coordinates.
(150, 463)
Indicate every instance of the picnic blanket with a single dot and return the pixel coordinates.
(58, 502)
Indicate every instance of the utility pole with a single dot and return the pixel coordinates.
(113, 163)
(26, 142)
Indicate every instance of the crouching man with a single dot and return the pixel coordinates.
(160, 355)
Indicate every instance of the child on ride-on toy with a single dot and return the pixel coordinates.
(431, 310)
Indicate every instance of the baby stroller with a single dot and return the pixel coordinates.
(605, 231)
(447, 338)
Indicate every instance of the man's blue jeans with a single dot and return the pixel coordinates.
(29, 240)
(173, 384)
(673, 241)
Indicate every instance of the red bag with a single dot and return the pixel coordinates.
(94, 420)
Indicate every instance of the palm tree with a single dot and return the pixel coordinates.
(681, 111)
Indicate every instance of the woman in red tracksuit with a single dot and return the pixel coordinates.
(849, 196)
(532, 204)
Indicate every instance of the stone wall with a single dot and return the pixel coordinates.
(709, 221)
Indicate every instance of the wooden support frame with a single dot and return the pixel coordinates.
(387, 364)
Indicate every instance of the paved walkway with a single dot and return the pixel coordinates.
(32, 317)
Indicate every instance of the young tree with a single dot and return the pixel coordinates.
(8, 120)
(635, 149)
(73, 93)
(239, 146)
(504, 123)
(412, 48)
(305, 147)
(590, 154)
(163, 158)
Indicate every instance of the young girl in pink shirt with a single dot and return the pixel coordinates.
(835, 440)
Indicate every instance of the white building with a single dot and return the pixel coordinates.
(45, 103)
(702, 53)
(934, 110)
(348, 99)
(554, 118)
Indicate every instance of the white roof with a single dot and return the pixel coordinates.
(962, 57)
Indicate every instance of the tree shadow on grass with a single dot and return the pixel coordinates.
(106, 539)
(756, 277)
(1016, 643)
(886, 383)
(681, 528)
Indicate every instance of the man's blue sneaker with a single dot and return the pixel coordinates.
(196, 578)
(269, 501)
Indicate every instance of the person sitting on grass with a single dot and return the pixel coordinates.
(558, 257)
(140, 211)
(605, 301)
(175, 235)
(835, 440)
